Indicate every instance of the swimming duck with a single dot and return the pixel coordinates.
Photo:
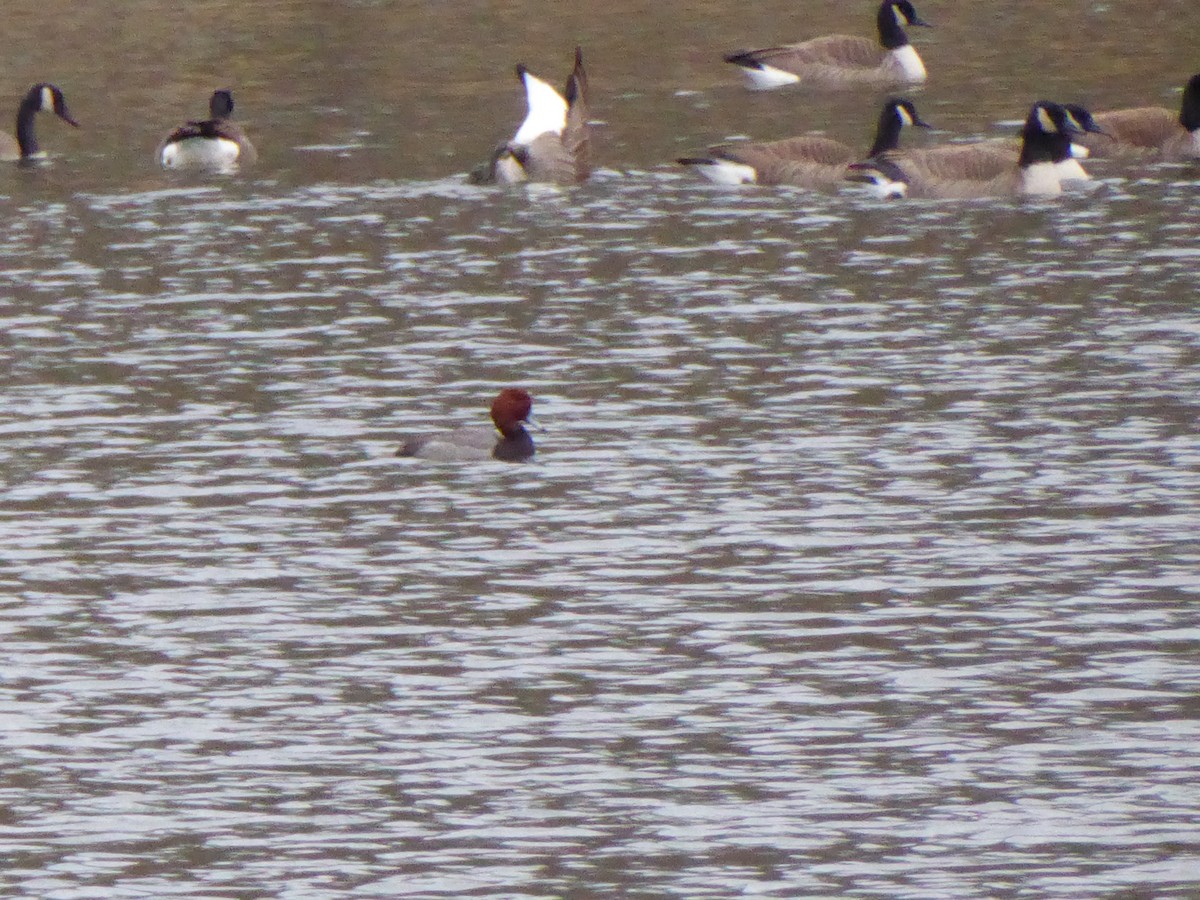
(510, 412)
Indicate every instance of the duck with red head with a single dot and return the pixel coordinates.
(510, 413)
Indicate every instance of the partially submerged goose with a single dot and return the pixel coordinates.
(1045, 142)
(214, 143)
(1152, 130)
(806, 161)
(552, 142)
(841, 60)
(41, 98)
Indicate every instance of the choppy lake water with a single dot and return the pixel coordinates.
(858, 559)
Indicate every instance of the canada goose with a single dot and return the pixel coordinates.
(552, 142)
(214, 143)
(1152, 130)
(807, 161)
(990, 158)
(839, 59)
(41, 97)
(1045, 142)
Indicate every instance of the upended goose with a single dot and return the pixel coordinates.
(1152, 130)
(840, 60)
(552, 143)
(1045, 142)
(807, 161)
(40, 98)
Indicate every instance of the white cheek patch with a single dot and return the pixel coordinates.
(1046, 121)
(1080, 152)
(905, 117)
(47, 101)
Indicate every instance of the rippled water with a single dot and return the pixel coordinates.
(858, 558)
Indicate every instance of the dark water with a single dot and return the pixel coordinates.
(859, 557)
